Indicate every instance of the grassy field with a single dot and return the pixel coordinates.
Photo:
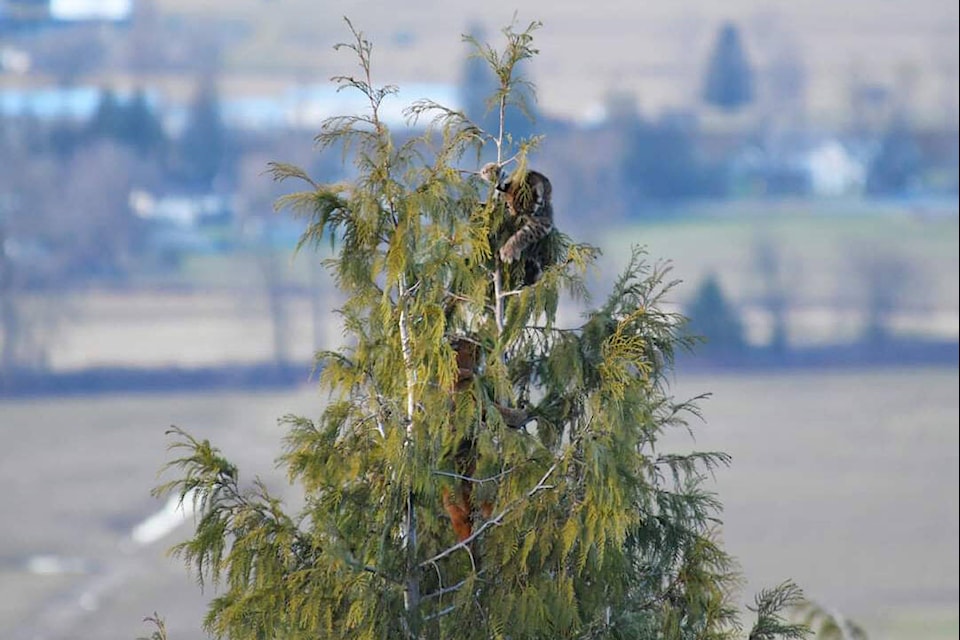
(846, 482)
(826, 259)
(79, 474)
(227, 319)
(822, 251)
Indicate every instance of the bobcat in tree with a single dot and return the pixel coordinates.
(528, 199)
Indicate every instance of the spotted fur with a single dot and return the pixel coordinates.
(528, 198)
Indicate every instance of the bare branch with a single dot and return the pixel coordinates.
(495, 520)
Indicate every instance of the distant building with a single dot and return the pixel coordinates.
(834, 171)
(14, 60)
(31, 13)
(90, 10)
(799, 165)
(182, 211)
(181, 223)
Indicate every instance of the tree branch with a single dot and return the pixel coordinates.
(450, 474)
(495, 520)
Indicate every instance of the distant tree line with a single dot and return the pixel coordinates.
(189, 160)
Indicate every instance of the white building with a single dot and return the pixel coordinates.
(91, 10)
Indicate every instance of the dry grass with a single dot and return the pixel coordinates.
(846, 482)
(181, 329)
(824, 259)
(79, 474)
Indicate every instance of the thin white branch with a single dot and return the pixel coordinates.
(498, 298)
(406, 343)
(445, 590)
(495, 520)
(515, 292)
(510, 159)
(497, 273)
(441, 613)
(450, 474)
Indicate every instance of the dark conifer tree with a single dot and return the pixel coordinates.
(714, 318)
(132, 122)
(109, 112)
(728, 83)
(142, 129)
(202, 150)
(897, 163)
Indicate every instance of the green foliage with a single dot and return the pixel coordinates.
(770, 605)
(827, 625)
(482, 86)
(160, 628)
(581, 527)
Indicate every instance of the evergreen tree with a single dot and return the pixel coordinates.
(477, 84)
(828, 624)
(479, 93)
(662, 165)
(715, 319)
(109, 112)
(479, 471)
(728, 83)
(132, 123)
(897, 163)
(143, 130)
(202, 149)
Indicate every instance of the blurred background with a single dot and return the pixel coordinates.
(796, 162)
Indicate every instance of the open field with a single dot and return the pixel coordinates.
(79, 474)
(846, 482)
(186, 329)
(823, 251)
(826, 256)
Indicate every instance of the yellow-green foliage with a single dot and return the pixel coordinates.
(580, 528)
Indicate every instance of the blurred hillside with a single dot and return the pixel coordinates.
(655, 52)
(802, 159)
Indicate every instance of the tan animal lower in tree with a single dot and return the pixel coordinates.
(458, 502)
